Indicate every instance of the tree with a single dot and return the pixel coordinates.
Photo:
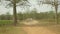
(20, 16)
(54, 3)
(14, 4)
(8, 16)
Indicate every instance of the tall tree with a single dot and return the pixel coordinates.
(54, 3)
(14, 4)
(14, 12)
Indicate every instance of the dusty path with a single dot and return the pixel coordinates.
(37, 30)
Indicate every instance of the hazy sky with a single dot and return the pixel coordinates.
(41, 8)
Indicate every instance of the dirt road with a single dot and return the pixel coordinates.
(37, 30)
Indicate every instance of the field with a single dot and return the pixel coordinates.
(53, 29)
(41, 22)
(6, 22)
(12, 30)
(43, 28)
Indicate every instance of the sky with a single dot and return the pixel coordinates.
(41, 8)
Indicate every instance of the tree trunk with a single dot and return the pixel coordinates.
(56, 16)
(56, 10)
(14, 13)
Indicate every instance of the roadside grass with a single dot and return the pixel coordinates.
(12, 30)
(6, 22)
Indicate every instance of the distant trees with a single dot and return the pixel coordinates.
(20, 16)
(55, 4)
(8, 16)
(33, 14)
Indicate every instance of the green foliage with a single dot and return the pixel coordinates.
(21, 2)
(48, 16)
(5, 17)
(20, 16)
(31, 14)
(6, 22)
(14, 0)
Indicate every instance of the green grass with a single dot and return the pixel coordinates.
(12, 30)
(5, 22)
(41, 22)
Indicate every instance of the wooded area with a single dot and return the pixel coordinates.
(31, 14)
(30, 20)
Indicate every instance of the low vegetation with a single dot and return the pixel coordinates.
(12, 30)
(6, 22)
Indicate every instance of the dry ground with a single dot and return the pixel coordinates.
(31, 30)
(38, 30)
(12, 30)
(42, 29)
(52, 29)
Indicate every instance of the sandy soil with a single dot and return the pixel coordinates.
(37, 30)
